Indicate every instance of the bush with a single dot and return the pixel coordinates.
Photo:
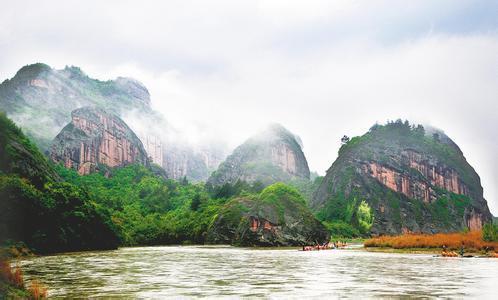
(490, 232)
(341, 229)
(365, 217)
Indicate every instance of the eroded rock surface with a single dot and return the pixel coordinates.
(414, 181)
(96, 137)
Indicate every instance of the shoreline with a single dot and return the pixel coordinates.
(433, 251)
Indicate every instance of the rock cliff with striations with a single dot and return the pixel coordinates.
(414, 181)
(95, 137)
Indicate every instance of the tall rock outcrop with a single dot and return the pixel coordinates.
(414, 181)
(270, 156)
(95, 137)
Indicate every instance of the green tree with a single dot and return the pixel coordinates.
(490, 232)
(365, 217)
(196, 202)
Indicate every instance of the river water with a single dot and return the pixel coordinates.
(209, 271)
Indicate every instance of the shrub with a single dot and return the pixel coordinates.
(365, 217)
(490, 232)
(341, 229)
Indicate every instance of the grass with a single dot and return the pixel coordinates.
(12, 284)
(472, 241)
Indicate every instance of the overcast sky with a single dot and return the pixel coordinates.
(321, 68)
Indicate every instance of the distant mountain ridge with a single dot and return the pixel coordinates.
(40, 99)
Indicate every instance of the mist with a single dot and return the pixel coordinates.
(220, 72)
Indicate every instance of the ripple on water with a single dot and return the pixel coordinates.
(207, 271)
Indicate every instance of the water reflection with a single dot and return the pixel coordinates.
(157, 272)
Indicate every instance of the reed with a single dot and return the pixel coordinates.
(37, 290)
(13, 277)
(470, 240)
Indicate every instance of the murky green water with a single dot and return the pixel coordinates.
(159, 272)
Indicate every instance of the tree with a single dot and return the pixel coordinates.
(365, 217)
(345, 139)
(196, 202)
(435, 136)
(419, 130)
(490, 232)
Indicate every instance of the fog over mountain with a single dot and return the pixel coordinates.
(221, 71)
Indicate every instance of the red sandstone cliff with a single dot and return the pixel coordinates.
(96, 137)
(414, 181)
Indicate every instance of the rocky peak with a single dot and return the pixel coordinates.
(32, 71)
(95, 137)
(269, 156)
(413, 180)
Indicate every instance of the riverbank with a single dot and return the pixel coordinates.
(471, 243)
(12, 282)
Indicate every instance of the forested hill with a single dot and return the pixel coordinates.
(38, 208)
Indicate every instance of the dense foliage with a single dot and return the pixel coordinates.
(147, 209)
(37, 208)
(490, 232)
(277, 216)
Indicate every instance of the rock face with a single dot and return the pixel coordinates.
(278, 217)
(194, 163)
(96, 137)
(414, 182)
(40, 99)
(273, 155)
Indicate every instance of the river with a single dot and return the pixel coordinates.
(209, 271)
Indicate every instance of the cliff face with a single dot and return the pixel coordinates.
(271, 156)
(414, 182)
(180, 160)
(95, 137)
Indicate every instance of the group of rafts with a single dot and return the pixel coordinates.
(326, 246)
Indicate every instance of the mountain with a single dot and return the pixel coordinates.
(278, 216)
(40, 99)
(39, 209)
(95, 137)
(273, 155)
(413, 180)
